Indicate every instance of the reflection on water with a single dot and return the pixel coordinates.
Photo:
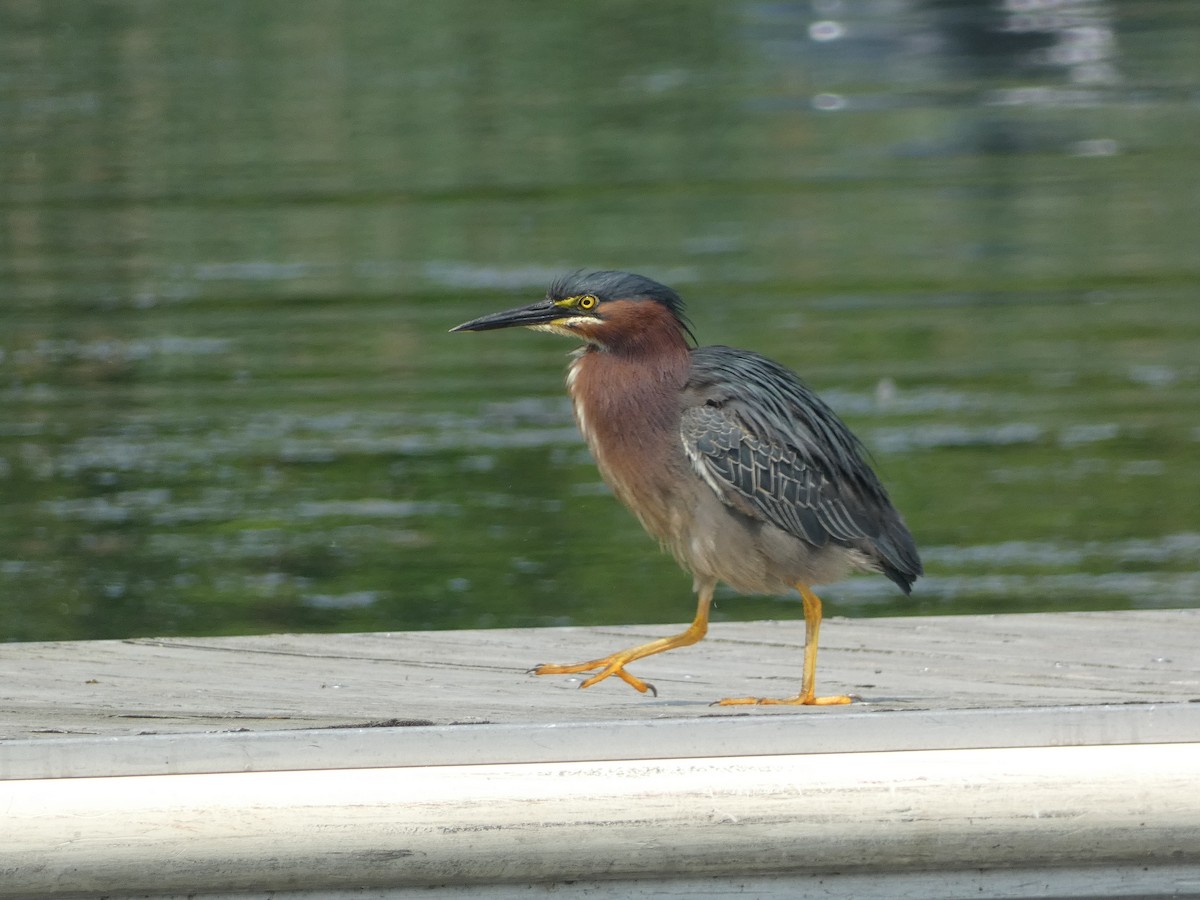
(235, 233)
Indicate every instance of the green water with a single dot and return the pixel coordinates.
(233, 235)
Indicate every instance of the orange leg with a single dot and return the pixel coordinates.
(807, 695)
(615, 663)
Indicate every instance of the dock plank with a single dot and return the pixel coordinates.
(274, 682)
(416, 761)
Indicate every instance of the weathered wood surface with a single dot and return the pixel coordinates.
(813, 818)
(1065, 745)
(274, 682)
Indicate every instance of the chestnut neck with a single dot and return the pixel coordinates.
(626, 396)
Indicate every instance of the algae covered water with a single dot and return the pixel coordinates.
(235, 234)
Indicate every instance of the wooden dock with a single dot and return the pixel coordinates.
(1043, 756)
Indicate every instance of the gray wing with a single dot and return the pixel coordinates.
(769, 447)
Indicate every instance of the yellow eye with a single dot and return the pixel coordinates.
(587, 302)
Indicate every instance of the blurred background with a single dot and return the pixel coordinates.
(235, 232)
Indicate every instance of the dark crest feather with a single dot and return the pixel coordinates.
(610, 284)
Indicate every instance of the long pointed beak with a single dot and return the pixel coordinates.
(534, 314)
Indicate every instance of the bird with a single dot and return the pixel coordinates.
(726, 457)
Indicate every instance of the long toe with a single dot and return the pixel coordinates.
(798, 700)
(571, 669)
(633, 681)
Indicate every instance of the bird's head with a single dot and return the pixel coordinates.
(605, 309)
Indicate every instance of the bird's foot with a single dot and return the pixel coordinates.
(798, 700)
(609, 665)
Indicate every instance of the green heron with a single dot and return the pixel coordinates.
(723, 455)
